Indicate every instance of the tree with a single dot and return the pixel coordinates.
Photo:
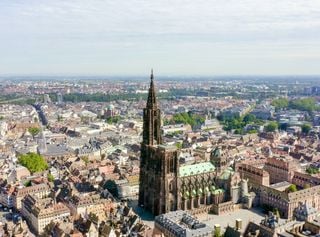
(305, 104)
(239, 131)
(85, 159)
(249, 118)
(33, 162)
(114, 119)
(217, 232)
(27, 183)
(271, 127)
(34, 131)
(280, 103)
(312, 170)
(179, 145)
(306, 128)
(252, 131)
(238, 123)
(292, 188)
(50, 177)
(186, 118)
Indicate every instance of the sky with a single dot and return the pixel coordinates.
(174, 37)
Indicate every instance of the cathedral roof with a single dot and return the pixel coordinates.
(195, 169)
(227, 173)
(217, 191)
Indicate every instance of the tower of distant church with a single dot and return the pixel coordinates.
(158, 163)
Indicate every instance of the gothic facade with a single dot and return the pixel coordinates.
(158, 164)
(165, 185)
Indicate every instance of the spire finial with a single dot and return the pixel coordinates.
(152, 100)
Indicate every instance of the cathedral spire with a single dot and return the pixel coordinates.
(152, 100)
(152, 118)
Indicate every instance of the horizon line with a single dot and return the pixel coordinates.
(156, 75)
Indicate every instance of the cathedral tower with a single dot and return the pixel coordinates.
(158, 163)
(151, 118)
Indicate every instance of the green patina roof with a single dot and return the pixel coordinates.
(184, 194)
(199, 192)
(195, 169)
(217, 191)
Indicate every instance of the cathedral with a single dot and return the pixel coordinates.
(166, 185)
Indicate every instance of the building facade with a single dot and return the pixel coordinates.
(39, 212)
(253, 174)
(280, 169)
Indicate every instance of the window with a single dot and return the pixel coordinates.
(171, 186)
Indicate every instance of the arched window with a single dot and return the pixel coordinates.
(171, 186)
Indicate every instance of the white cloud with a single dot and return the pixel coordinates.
(136, 29)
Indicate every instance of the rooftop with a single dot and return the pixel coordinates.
(182, 224)
(194, 169)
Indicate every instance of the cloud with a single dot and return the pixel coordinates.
(141, 17)
(139, 27)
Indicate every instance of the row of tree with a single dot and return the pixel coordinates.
(239, 123)
(114, 119)
(195, 120)
(273, 126)
(312, 170)
(304, 104)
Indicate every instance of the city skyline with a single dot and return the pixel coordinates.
(176, 38)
